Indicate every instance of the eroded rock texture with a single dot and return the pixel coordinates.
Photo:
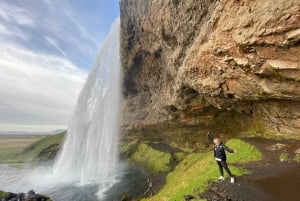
(207, 63)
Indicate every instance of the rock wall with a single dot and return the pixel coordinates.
(211, 65)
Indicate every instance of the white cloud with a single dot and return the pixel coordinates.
(14, 32)
(55, 44)
(16, 14)
(36, 89)
(44, 45)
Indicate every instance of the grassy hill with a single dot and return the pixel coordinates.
(31, 148)
(44, 149)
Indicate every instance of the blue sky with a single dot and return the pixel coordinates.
(46, 50)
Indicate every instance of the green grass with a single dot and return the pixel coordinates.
(179, 156)
(297, 158)
(283, 156)
(7, 155)
(151, 159)
(43, 149)
(26, 149)
(3, 194)
(10, 147)
(245, 152)
(199, 168)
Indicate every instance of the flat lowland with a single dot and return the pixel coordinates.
(10, 146)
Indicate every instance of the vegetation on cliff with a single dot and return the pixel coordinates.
(194, 172)
(185, 169)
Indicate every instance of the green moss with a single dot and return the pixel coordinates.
(283, 156)
(258, 129)
(151, 159)
(187, 150)
(128, 149)
(179, 156)
(199, 168)
(297, 158)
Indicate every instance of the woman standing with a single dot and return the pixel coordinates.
(220, 156)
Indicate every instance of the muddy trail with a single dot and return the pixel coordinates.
(271, 179)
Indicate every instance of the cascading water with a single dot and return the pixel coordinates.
(89, 153)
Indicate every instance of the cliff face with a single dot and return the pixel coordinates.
(211, 65)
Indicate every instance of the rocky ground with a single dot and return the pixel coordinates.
(273, 178)
(30, 196)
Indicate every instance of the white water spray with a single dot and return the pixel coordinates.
(89, 153)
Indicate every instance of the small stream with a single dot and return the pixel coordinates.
(131, 180)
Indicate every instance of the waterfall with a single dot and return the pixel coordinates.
(90, 151)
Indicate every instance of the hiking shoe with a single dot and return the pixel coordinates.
(221, 178)
(232, 180)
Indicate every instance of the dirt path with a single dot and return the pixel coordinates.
(271, 179)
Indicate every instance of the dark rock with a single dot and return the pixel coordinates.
(30, 196)
(126, 198)
(188, 197)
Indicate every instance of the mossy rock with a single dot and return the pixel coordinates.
(283, 156)
(297, 158)
(151, 159)
(128, 149)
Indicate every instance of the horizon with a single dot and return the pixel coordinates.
(31, 129)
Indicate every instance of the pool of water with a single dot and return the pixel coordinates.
(283, 186)
(130, 180)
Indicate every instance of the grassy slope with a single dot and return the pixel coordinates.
(3, 194)
(199, 168)
(152, 159)
(36, 151)
(141, 153)
(11, 146)
(39, 149)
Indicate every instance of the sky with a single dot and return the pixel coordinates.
(47, 48)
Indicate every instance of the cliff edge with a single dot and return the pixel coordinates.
(221, 65)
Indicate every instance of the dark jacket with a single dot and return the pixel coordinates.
(219, 150)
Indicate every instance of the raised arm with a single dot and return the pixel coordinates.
(210, 138)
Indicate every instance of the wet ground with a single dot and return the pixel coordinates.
(270, 180)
